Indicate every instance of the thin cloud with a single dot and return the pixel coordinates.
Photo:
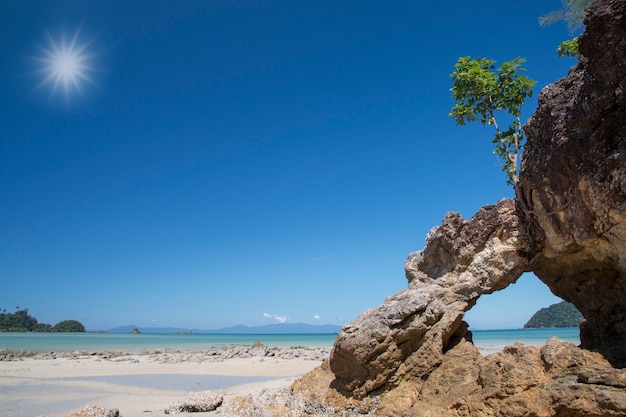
(280, 319)
(316, 316)
(321, 258)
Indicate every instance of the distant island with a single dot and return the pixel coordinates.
(563, 314)
(21, 321)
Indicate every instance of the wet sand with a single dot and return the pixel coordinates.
(138, 385)
(146, 384)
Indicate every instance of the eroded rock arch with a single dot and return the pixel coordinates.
(407, 336)
(413, 355)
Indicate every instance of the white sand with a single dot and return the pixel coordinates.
(137, 385)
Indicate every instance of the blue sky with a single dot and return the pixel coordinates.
(241, 162)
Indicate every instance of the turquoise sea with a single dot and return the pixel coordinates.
(486, 340)
(489, 341)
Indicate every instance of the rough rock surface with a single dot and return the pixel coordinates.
(558, 379)
(573, 182)
(91, 410)
(196, 402)
(521, 381)
(413, 355)
(215, 354)
(407, 336)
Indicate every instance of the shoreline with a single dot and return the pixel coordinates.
(57, 384)
(144, 384)
(214, 354)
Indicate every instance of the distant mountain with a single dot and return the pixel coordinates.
(562, 314)
(278, 328)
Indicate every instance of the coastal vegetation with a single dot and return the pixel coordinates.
(68, 326)
(481, 92)
(563, 314)
(573, 13)
(22, 321)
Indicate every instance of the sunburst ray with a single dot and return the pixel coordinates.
(65, 65)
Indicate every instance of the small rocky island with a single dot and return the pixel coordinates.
(563, 314)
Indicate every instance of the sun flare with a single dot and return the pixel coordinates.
(65, 65)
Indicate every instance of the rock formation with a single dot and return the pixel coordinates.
(573, 181)
(413, 355)
(407, 336)
(91, 410)
(196, 402)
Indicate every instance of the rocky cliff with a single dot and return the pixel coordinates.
(413, 355)
(573, 180)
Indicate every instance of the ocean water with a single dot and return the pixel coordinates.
(486, 340)
(136, 343)
(489, 341)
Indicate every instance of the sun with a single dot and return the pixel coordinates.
(66, 65)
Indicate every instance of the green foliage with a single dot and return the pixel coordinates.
(562, 314)
(42, 328)
(573, 13)
(569, 48)
(21, 321)
(481, 91)
(68, 326)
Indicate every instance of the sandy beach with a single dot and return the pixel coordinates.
(57, 385)
(148, 383)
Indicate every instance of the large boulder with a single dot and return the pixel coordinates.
(558, 379)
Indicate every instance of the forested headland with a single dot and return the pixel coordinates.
(562, 314)
(22, 321)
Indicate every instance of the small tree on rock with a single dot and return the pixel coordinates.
(481, 91)
(573, 13)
